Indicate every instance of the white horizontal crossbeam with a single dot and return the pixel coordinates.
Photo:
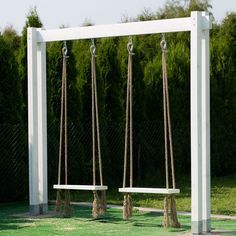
(122, 29)
(149, 190)
(80, 187)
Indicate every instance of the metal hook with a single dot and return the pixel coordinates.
(163, 43)
(65, 50)
(93, 48)
(130, 46)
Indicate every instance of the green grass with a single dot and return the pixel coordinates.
(82, 224)
(223, 197)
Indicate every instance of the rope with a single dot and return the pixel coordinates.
(166, 215)
(167, 122)
(67, 209)
(61, 123)
(167, 125)
(93, 124)
(65, 120)
(127, 204)
(129, 119)
(58, 198)
(126, 130)
(98, 207)
(97, 123)
(165, 117)
(95, 118)
(63, 117)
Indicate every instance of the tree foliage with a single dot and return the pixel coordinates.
(10, 89)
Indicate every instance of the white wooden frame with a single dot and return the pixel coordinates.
(198, 25)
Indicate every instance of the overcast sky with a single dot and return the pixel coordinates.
(55, 13)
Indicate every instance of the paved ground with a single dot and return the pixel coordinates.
(216, 233)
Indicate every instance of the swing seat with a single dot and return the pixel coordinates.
(80, 187)
(149, 190)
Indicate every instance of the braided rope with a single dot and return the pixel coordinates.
(127, 204)
(129, 120)
(95, 119)
(97, 123)
(93, 124)
(167, 119)
(61, 121)
(58, 198)
(169, 124)
(65, 119)
(126, 129)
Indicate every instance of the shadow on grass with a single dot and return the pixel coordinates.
(84, 214)
(114, 216)
(145, 222)
(9, 222)
(111, 216)
(14, 223)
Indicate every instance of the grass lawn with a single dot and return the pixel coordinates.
(223, 200)
(223, 197)
(82, 224)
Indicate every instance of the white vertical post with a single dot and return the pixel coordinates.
(33, 122)
(196, 124)
(42, 126)
(206, 186)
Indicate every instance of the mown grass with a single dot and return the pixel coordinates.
(81, 223)
(223, 197)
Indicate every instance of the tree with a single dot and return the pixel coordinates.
(223, 96)
(10, 36)
(176, 8)
(111, 103)
(54, 71)
(13, 164)
(10, 90)
(110, 75)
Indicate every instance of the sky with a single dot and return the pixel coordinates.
(71, 13)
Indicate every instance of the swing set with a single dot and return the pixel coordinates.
(100, 208)
(127, 211)
(198, 25)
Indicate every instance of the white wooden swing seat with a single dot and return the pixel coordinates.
(149, 190)
(80, 187)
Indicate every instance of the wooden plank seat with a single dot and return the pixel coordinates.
(80, 187)
(149, 190)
